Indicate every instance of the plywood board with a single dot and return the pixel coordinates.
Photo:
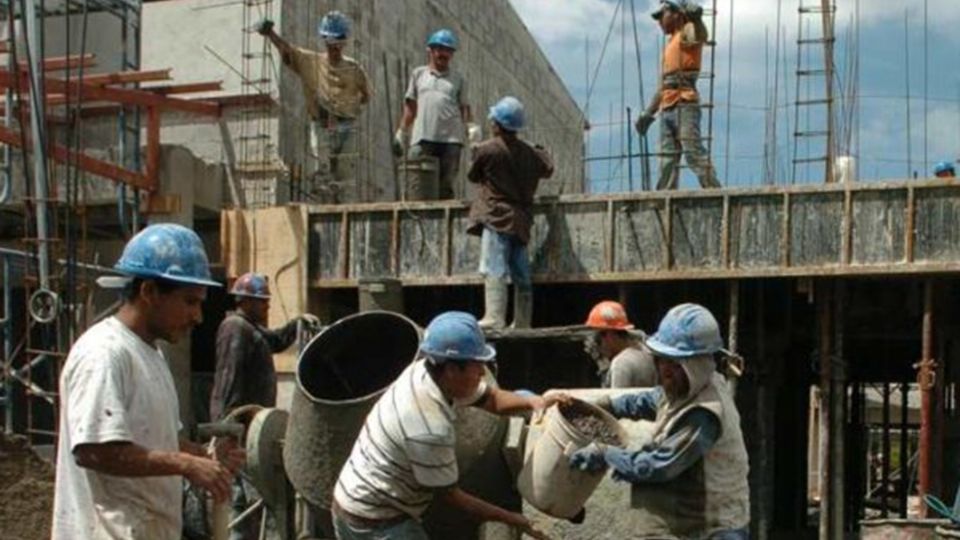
(879, 219)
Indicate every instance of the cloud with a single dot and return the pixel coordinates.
(564, 21)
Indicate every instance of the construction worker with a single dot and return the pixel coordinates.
(944, 169)
(119, 460)
(335, 90)
(404, 457)
(691, 480)
(676, 98)
(507, 171)
(436, 109)
(623, 361)
(245, 373)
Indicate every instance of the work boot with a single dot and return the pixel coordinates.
(495, 300)
(522, 309)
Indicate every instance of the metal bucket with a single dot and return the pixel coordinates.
(900, 529)
(421, 178)
(340, 375)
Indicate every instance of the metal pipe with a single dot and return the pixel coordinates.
(733, 324)
(7, 252)
(7, 332)
(37, 116)
(925, 380)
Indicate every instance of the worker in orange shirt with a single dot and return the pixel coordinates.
(677, 99)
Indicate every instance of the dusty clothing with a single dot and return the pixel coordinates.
(508, 172)
(633, 368)
(712, 495)
(115, 387)
(439, 97)
(681, 66)
(245, 372)
(448, 161)
(339, 89)
(680, 132)
(405, 451)
(502, 256)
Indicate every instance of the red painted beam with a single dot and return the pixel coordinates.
(61, 154)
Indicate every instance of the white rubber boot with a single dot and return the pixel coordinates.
(495, 298)
(522, 308)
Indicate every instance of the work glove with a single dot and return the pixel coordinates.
(401, 140)
(590, 458)
(264, 27)
(643, 123)
(474, 135)
(310, 321)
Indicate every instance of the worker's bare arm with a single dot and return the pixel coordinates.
(409, 114)
(132, 460)
(500, 401)
(484, 511)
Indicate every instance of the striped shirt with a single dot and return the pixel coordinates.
(405, 450)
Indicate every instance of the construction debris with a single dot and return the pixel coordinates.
(26, 487)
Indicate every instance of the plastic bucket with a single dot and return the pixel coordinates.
(546, 481)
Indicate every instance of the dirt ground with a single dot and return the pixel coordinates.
(26, 489)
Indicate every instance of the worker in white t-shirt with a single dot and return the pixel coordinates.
(120, 460)
(404, 457)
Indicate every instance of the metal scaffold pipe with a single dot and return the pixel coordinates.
(37, 112)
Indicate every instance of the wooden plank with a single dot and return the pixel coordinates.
(464, 248)
(879, 220)
(370, 245)
(816, 228)
(640, 238)
(937, 218)
(325, 246)
(185, 88)
(125, 77)
(755, 232)
(60, 63)
(570, 239)
(697, 227)
(422, 239)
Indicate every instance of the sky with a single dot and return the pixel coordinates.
(570, 31)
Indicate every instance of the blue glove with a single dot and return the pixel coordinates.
(589, 458)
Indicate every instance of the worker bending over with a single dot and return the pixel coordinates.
(404, 457)
(436, 113)
(119, 459)
(335, 90)
(691, 480)
(622, 360)
(507, 170)
(677, 99)
(245, 373)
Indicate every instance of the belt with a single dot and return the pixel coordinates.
(362, 522)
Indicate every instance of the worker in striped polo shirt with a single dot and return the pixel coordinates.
(405, 457)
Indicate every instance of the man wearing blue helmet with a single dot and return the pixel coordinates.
(507, 170)
(690, 481)
(944, 169)
(335, 90)
(119, 458)
(404, 458)
(436, 112)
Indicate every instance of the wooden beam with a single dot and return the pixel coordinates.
(126, 96)
(126, 77)
(61, 154)
(185, 88)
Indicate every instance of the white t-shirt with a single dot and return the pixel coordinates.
(405, 450)
(116, 387)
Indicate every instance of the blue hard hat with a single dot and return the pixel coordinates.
(167, 251)
(443, 38)
(456, 336)
(686, 331)
(676, 5)
(334, 26)
(508, 112)
(251, 285)
(943, 167)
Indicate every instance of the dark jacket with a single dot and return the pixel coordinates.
(508, 172)
(245, 372)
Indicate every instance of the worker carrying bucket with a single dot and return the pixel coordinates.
(691, 480)
(404, 457)
(677, 99)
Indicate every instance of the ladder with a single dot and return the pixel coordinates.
(814, 117)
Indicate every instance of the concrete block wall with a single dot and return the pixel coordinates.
(497, 55)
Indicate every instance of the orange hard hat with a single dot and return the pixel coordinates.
(608, 315)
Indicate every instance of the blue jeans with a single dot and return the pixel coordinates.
(502, 256)
(680, 131)
(408, 529)
(731, 534)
